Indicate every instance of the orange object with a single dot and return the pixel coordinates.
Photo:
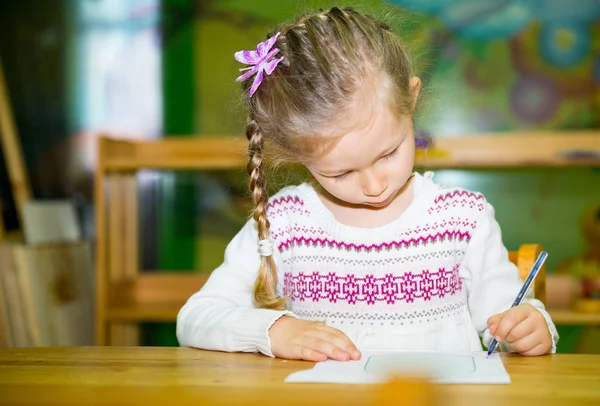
(407, 391)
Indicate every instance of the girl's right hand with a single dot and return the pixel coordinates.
(293, 338)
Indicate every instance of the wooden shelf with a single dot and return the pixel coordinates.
(144, 312)
(175, 153)
(153, 296)
(517, 150)
(490, 150)
(572, 317)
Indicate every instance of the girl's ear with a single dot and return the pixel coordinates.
(415, 88)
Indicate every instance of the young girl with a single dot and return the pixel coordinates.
(370, 255)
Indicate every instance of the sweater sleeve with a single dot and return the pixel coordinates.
(492, 280)
(222, 316)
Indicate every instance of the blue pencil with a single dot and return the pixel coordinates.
(526, 285)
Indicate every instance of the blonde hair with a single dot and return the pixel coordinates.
(328, 57)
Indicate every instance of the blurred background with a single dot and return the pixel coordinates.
(150, 70)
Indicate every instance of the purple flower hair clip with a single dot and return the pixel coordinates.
(262, 62)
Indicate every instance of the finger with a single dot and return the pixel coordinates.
(511, 318)
(527, 343)
(539, 349)
(340, 339)
(520, 331)
(324, 346)
(493, 322)
(308, 354)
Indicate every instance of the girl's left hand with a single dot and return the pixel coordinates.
(524, 328)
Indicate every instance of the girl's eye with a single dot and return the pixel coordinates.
(341, 176)
(391, 154)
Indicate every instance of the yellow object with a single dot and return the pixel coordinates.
(587, 306)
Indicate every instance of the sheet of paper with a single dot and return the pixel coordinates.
(48, 221)
(379, 366)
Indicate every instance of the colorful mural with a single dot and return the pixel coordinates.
(533, 64)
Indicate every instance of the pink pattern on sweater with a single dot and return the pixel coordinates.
(454, 222)
(285, 199)
(370, 289)
(461, 198)
(329, 243)
(284, 205)
(280, 233)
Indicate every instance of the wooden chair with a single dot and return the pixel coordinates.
(524, 259)
(126, 295)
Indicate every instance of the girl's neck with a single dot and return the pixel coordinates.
(367, 216)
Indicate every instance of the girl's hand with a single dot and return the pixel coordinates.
(524, 328)
(293, 338)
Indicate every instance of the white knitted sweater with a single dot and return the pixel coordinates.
(428, 280)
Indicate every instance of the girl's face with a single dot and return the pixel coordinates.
(372, 162)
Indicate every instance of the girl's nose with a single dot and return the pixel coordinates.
(374, 183)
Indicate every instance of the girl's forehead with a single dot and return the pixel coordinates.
(365, 143)
(361, 112)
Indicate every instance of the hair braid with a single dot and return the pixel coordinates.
(265, 295)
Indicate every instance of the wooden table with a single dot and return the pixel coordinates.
(183, 376)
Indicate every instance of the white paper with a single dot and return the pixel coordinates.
(379, 366)
(48, 221)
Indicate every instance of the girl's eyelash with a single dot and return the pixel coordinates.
(345, 174)
(391, 154)
(341, 176)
